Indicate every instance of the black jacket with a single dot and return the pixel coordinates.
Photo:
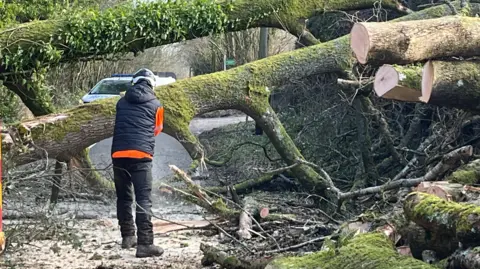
(135, 119)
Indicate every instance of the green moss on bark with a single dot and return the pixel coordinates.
(433, 213)
(468, 174)
(410, 75)
(367, 251)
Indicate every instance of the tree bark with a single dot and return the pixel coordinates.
(80, 165)
(251, 208)
(468, 174)
(419, 239)
(441, 83)
(213, 255)
(452, 83)
(460, 221)
(57, 179)
(464, 259)
(367, 174)
(408, 42)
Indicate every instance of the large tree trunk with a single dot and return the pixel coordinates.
(459, 221)
(413, 41)
(239, 15)
(286, 16)
(419, 239)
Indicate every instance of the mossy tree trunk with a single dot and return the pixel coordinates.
(239, 15)
(367, 251)
(459, 221)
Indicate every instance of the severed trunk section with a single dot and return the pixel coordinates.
(400, 83)
(452, 83)
(443, 189)
(251, 209)
(413, 41)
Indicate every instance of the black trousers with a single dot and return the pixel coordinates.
(134, 176)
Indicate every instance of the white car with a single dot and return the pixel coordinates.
(119, 83)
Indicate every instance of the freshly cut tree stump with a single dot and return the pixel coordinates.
(414, 41)
(400, 83)
(459, 221)
(443, 189)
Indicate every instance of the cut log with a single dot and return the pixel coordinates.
(453, 83)
(400, 83)
(443, 189)
(250, 208)
(366, 251)
(414, 41)
(460, 221)
(465, 259)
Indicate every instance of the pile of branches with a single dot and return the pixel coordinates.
(270, 231)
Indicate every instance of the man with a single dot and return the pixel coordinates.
(139, 119)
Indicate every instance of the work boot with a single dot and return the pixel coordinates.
(144, 251)
(129, 241)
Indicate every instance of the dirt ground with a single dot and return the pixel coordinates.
(95, 242)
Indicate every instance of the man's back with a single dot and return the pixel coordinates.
(136, 120)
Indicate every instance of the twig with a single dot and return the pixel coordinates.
(318, 239)
(281, 169)
(449, 161)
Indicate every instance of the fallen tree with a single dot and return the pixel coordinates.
(413, 41)
(191, 19)
(333, 56)
(65, 134)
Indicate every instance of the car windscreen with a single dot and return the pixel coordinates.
(111, 87)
